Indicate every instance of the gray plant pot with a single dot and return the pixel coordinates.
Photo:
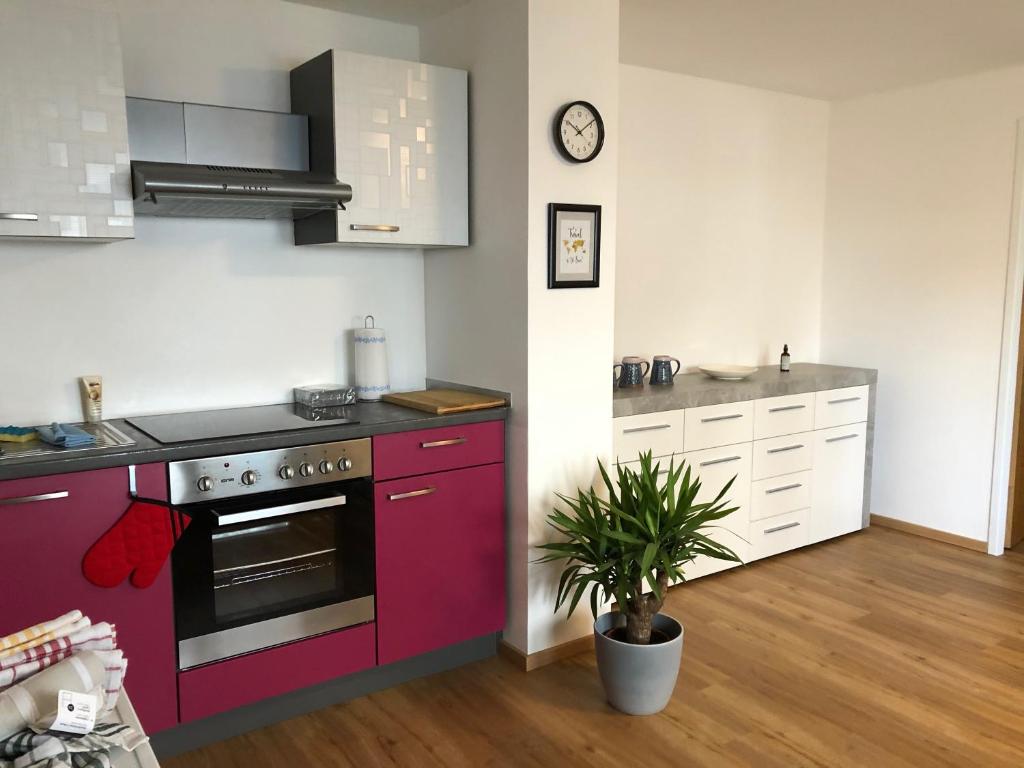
(638, 679)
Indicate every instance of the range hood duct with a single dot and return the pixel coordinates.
(218, 191)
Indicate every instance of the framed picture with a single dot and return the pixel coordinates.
(574, 245)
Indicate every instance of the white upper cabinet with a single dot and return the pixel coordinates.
(64, 169)
(397, 131)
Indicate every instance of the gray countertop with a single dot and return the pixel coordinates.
(692, 390)
(374, 419)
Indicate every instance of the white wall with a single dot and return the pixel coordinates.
(573, 55)
(201, 314)
(476, 300)
(721, 220)
(919, 193)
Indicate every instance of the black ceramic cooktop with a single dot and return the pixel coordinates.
(236, 422)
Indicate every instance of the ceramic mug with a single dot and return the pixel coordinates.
(661, 370)
(633, 371)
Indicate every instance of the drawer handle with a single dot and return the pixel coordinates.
(841, 437)
(442, 443)
(781, 488)
(726, 460)
(778, 528)
(844, 400)
(37, 497)
(786, 448)
(411, 494)
(651, 428)
(373, 227)
(19, 216)
(786, 408)
(722, 418)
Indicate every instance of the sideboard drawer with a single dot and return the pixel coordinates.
(660, 433)
(778, 495)
(783, 455)
(787, 415)
(778, 534)
(714, 425)
(836, 407)
(404, 454)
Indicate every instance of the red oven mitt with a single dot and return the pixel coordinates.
(137, 544)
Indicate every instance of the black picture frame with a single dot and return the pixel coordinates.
(557, 280)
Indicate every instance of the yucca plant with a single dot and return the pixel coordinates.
(645, 532)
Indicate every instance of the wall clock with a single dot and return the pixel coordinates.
(579, 131)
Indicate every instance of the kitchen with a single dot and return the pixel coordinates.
(202, 326)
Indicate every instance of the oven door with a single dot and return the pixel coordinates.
(256, 572)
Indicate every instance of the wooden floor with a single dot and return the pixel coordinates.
(878, 649)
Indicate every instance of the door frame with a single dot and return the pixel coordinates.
(1006, 401)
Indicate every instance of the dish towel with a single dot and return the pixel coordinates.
(28, 749)
(65, 435)
(40, 633)
(24, 664)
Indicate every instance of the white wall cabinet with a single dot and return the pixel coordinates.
(64, 167)
(397, 131)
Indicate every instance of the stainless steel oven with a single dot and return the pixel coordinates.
(279, 547)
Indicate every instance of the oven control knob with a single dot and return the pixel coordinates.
(248, 477)
(326, 467)
(205, 483)
(286, 472)
(305, 469)
(344, 464)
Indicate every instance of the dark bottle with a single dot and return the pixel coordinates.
(784, 359)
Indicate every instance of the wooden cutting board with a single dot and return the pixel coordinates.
(441, 401)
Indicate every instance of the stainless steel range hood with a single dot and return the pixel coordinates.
(224, 162)
(183, 189)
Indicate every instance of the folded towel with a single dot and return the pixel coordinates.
(65, 435)
(28, 749)
(40, 632)
(24, 664)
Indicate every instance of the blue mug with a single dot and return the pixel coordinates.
(633, 371)
(661, 370)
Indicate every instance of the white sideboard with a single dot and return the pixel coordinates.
(798, 461)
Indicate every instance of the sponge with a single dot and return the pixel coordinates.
(11, 434)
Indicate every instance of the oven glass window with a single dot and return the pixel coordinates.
(265, 567)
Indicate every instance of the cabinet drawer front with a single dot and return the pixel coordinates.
(835, 407)
(774, 416)
(778, 534)
(778, 495)
(404, 454)
(783, 455)
(714, 425)
(659, 433)
(246, 679)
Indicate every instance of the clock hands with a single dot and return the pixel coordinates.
(578, 131)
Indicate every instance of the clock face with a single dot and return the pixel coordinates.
(580, 132)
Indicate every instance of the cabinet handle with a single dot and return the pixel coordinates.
(411, 494)
(786, 408)
(19, 216)
(37, 497)
(440, 443)
(786, 448)
(722, 418)
(782, 488)
(651, 428)
(844, 400)
(841, 437)
(373, 227)
(726, 460)
(778, 528)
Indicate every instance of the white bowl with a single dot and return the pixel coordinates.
(728, 372)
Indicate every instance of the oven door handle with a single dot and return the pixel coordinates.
(231, 518)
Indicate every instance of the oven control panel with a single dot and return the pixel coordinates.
(224, 477)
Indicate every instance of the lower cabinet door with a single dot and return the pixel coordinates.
(440, 543)
(838, 491)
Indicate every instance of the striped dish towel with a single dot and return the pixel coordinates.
(28, 749)
(18, 666)
(40, 633)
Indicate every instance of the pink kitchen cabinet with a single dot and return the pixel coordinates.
(440, 559)
(48, 525)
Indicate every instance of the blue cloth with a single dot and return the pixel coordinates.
(65, 435)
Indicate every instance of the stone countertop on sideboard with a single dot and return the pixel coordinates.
(692, 390)
(373, 418)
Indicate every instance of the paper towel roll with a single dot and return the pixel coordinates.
(371, 362)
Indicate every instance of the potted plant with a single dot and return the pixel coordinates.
(643, 534)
